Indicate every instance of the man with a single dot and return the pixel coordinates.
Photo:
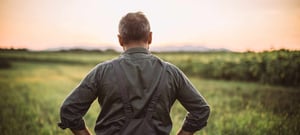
(138, 73)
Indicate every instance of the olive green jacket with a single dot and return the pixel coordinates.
(141, 75)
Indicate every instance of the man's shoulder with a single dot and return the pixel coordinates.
(105, 64)
(171, 66)
(109, 63)
(173, 70)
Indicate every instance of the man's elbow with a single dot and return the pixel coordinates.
(197, 119)
(64, 122)
(204, 113)
(63, 108)
(66, 112)
(208, 110)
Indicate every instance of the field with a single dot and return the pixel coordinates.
(34, 84)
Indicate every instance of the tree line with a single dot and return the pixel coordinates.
(281, 67)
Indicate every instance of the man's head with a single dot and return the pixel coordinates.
(134, 29)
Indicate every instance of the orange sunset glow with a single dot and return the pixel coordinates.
(238, 25)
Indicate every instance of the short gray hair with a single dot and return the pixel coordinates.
(134, 27)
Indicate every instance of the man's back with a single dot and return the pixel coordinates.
(140, 75)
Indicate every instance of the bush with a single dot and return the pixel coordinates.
(277, 67)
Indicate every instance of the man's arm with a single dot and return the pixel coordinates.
(197, 107)
(78, 102)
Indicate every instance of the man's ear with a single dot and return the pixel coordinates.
(120, 40)
(149, 38)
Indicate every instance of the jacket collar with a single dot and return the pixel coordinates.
(137, 50)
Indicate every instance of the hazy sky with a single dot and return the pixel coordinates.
(238, 25)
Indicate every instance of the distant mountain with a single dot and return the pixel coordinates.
(84, 47)
(177, 48)
(188, 48)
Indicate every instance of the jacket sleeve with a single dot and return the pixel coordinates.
(78, 102)
(197, 107)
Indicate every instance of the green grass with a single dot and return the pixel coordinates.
(249, 108)
(32, 92)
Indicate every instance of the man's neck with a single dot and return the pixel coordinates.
(135, 45)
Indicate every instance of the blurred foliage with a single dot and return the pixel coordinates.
(280, 67)
(4, 64)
